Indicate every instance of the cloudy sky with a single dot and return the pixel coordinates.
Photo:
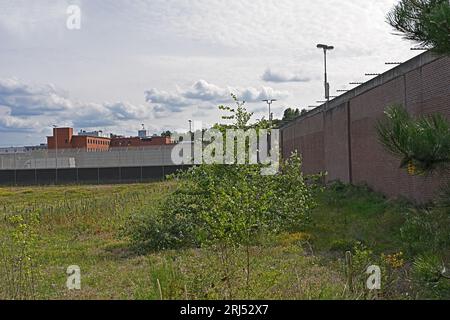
(163, 62)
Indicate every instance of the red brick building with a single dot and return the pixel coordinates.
(63, 138)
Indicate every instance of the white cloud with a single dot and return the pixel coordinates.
(283, 76)
(34, 107)
(205, 95)
(126, 47)
(204, 91)
(162, 97)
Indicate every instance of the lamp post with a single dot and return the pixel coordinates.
(269, 137)
(326, 48)
(269, 103)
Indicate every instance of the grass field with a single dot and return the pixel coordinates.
(84, 226)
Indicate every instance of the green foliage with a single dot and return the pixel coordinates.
(80, 224)
(166, 134)
(166, 279)
(430, 277)
(229, 205)
(424, 21)
(150, 229)
(347, 214)
(290, 114)
(238, 114)
(423, 144)
(19, 271)
(426, 230)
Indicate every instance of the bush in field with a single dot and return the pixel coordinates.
(228, 205)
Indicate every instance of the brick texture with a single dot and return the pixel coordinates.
(343, 142)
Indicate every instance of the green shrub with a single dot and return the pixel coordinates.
(426, 230)
(342, 245)
(225, 204)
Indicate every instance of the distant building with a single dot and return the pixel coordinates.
(98, 134)
(142, 133)
(42, 146)
(9, 150)
(95, 141)
(137, 142)
(63, 138)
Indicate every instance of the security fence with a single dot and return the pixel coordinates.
(78, 166)
(75, 158)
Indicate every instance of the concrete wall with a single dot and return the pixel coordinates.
(68, 158)
(343, 140)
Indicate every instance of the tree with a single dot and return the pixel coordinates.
(166, 134)
(239, 114)
(228, 207)
(423, 144)
(291, 114)
(424, 21)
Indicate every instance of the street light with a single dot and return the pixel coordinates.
(326, 48)
(269, 102)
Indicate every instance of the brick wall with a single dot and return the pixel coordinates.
(344, 142)
(337, 144)
(306, 138)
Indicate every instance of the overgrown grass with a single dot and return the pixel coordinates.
(348, 215)
(83, 225)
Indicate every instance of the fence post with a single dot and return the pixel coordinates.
(142, 164)
(163, 164)
(120, 164)
(15, 170)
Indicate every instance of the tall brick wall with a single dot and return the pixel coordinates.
(344, 142)
(306, 138)
(337, 153)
